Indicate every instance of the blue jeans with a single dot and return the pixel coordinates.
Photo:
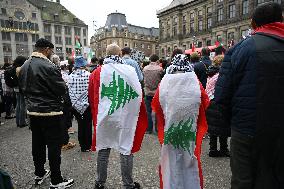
(21, 111)
(148, 101)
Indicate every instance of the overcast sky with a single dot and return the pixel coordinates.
(138, 12)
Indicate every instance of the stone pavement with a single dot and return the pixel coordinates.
(16, 158)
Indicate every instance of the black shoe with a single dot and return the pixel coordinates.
(39, 180)
(136, 185)
(99, 186)
(214, 153)
(64, 184)
(225, 153)
(22, 126)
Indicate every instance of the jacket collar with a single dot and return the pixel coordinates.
(276, 29)
(40, 55)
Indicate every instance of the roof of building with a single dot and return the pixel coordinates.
(50, 9)
(118, 20)
(174, 3)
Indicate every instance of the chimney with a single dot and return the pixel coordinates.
(58, 1)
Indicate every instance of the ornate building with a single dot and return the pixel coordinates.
(23, 22)
(117, 30)
(203, 22)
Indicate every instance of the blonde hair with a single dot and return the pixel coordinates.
(113, 49)
(194, 57)
(217, 60)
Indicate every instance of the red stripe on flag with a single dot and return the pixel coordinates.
(157, 108)
(141, 128)
(201, 129)
(94, 89)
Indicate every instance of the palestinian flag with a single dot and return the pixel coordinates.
(180, 104)
(118, 110)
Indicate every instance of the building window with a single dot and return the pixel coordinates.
(47, 28)
(142, 37)
(142, 46)
(57, 29)
(244, 33)
(148, 47)
(6, 36)
(245, 7)
(209, 10)
(84, 32)
(200, 13)
(184, 18)
(48, 37)
(209, 23)
(260, 1)
(3, 11)
(184, 29)
(68, 41)
(192, 15)
(68, 50)
(200, 23)
(220, 14)
(33, 15)
(231, 36)
(77, 31)
(199, 44)
(58, 50)
(22, 49)
(135, 45)
(85, 42)
(208, 43)
(232, 11)
(21, 37)
(58, 40)
(35, 37)
(191, 27)
(7, 48)
(67, 30)
(277, 1)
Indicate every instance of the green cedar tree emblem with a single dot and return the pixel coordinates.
(180, 136)
(119, 92)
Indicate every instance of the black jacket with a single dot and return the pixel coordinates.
(216, 114)
(251, 84)
(42, 85)
(200, 69)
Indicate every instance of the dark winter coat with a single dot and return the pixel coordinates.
(42, 86)
(200, 69)
(251, 85)
(217, 120)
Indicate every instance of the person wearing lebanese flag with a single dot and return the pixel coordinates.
(119, 115)
(180, 103)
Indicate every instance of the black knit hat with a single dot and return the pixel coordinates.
(43, 43)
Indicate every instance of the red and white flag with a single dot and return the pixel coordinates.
(118, 110)
(180, 104)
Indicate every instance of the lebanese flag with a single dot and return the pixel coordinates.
(118, 110)
(180, 104)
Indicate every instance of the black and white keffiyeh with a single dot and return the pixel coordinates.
(180, 63)
(114, 59)
(78, 83)
(136, 55)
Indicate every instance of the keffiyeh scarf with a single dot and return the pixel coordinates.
(180, 63)
(114, 59)
(78, 83)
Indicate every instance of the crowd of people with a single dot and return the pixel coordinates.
(116, 100)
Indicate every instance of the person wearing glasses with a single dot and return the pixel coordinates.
(43, 87)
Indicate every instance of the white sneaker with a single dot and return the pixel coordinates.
(39, 180)
(64, 184)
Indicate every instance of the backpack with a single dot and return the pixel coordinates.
(10, 77)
